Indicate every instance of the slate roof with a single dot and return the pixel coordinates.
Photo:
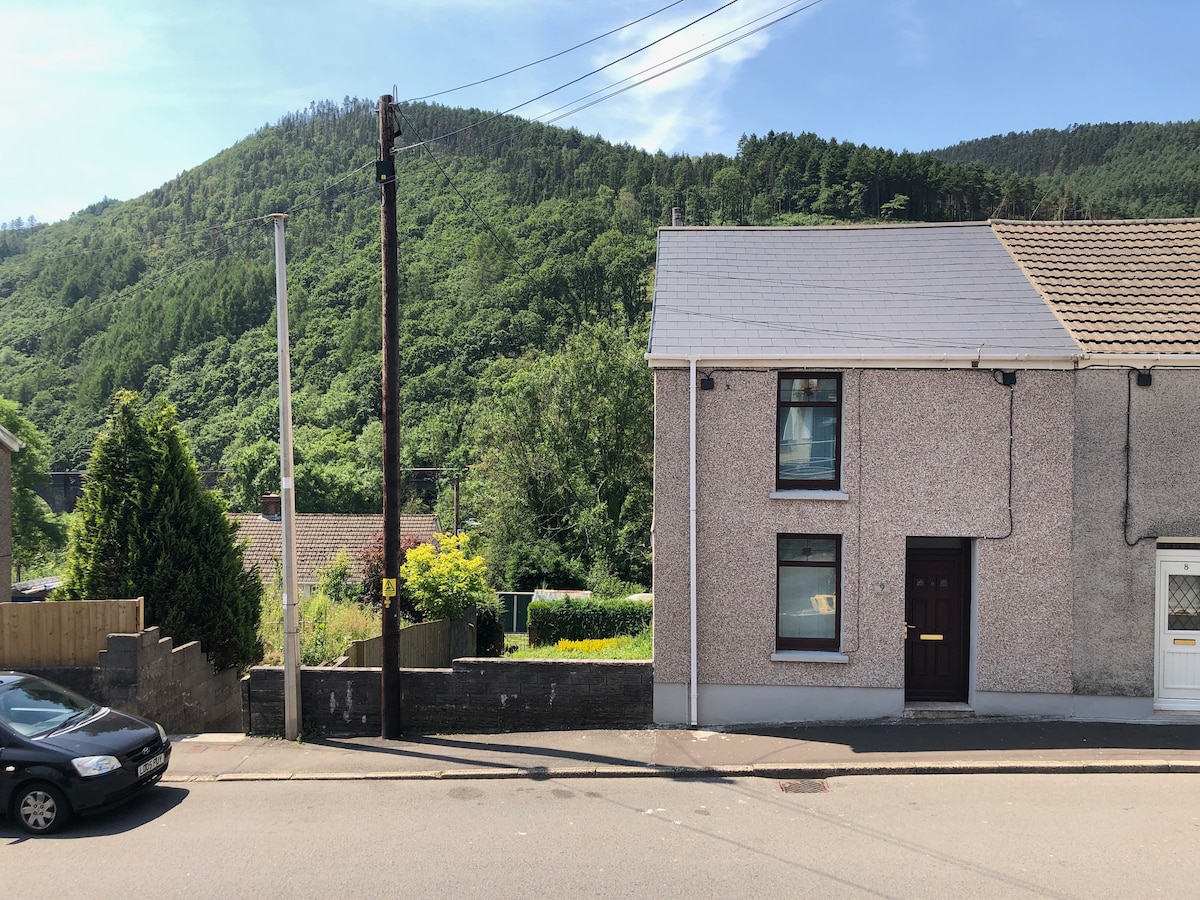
(890, 293)
(319, 536)
(1119, 286)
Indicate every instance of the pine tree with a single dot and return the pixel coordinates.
(146, 527)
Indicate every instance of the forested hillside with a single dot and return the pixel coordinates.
(1131, 170)
(526, 253)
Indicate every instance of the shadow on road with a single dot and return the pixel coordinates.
(141, 810)
(472, 751)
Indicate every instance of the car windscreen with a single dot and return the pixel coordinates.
(33, 707)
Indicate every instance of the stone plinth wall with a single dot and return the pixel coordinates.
(474, 695)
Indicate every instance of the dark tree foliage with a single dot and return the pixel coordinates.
(371, 558)
(1120, 171)
(36, 532)
(146, 528)
(563, 486)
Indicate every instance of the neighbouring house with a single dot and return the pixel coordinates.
(908, 466)
(9, 444)
(319, 538)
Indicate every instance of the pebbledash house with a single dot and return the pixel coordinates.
(927, 467)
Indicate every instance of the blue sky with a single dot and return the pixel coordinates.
(116, 97)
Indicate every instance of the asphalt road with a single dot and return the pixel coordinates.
(1086, 836)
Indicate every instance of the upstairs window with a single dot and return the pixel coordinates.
(809, 609)
(808, 449)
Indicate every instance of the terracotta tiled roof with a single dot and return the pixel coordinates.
(319, 536)
(1119, 286)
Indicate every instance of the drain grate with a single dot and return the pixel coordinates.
(804, 786)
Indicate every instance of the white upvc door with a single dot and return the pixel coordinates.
(1177, 632)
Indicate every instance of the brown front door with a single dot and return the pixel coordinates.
(936, 616)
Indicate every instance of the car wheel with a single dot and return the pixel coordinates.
(40, 808)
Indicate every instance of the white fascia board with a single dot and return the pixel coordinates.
(9, 440)
(983, 361)
(1140, 360)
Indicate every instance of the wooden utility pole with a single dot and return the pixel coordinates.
(385, 174)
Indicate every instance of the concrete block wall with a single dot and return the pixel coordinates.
(474, 695)
(148, 675)
(334, 702)
(496, 695)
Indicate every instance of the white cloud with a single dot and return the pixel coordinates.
(914, 46)
(679, 82)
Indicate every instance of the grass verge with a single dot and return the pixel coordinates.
(639, 646)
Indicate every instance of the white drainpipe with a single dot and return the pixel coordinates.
(693, 687)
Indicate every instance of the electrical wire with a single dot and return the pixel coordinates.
(303, 204)
(607, 65)
(538, 62)
(1128, 506)
(307, 202)
(502, 244)
(1032, 302)
(889, 339)
(570, 109)
(1012, 393)
(689, 61)
(75, 252)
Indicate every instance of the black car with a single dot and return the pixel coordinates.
(62, 754)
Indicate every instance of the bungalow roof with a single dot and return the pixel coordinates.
(319, 537)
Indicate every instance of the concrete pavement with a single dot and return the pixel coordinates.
(810, 751)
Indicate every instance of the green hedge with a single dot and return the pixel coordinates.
(551, 621)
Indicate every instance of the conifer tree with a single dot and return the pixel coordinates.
(146, 527)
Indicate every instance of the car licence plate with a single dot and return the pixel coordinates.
(151, 764)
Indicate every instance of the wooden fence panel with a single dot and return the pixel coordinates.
(44, 634)
(423, 646)
(365, 653)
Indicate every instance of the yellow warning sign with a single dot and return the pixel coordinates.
(389, 587)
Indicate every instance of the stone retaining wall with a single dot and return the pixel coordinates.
(474, 695)
(147, 675)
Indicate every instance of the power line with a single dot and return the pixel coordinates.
(607, 65)
(503, 245)
(892, 340)
(313, 198)
(846, 289)
(538, 62)
(568, 106)
(686, 62)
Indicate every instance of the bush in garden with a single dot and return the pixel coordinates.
(571, 619)
(443, 579)
(371, 560)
